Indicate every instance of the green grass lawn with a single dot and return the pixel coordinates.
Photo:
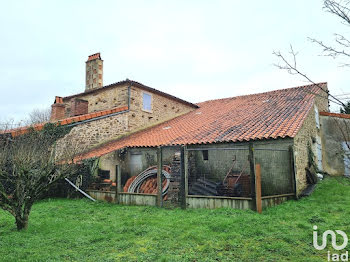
(80, 230)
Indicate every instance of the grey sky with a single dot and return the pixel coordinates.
(196, 50)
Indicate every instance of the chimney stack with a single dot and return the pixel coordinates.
(94, 72)
(79, 107)
(57, 109)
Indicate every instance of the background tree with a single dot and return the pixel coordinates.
(29, 166)
(38, 116)
(346, 108)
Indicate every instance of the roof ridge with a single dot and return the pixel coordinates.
(136, 84)
(263, 93)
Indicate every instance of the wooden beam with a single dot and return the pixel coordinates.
(186, 170)
(292, 170)
(159, 177)
(183, 180)
(277, 196)
(119, 184)
(258, 188)
(252, 173)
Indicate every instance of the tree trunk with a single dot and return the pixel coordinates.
(23, 217)
(21, 223)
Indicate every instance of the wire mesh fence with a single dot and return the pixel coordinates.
(226, 172)
(140, 168)
(276, 171)
(219, 172)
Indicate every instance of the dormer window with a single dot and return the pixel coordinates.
(147, 102)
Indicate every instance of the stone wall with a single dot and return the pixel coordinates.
(335, 131)
(101, 99)
(102, 130)
(304, 137)
(307, 134)
(162, 109)
(92, 133)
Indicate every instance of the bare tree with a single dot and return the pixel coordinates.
(29, 166)
(342, 44)
(38, 116)
(340, 49)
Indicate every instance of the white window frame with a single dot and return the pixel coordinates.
(143, 108)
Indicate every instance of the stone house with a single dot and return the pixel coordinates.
(124, 125)
(130, 115)
(101, 114)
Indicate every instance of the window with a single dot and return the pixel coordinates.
(317, 117)
(205, 154)
(147, 102)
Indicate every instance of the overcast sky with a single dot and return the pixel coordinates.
(196, 50)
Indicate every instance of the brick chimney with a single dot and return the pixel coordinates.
(78, 107)
(57, 109)
(94, 72)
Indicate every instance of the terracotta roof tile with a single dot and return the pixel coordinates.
(276, 114)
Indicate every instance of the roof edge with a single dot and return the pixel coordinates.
(266, 92)
(69, 120)
(339, 115)
(136, 84)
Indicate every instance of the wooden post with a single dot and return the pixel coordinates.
(186, 171)
(119, 184)
(183, 180)
(292, 169)
(159, 177)
(252, 174)
(258, 188)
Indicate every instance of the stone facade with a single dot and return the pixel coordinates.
(101, 99)
(163, 109)
(95, 132)
(308, 134)
(99, 131)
